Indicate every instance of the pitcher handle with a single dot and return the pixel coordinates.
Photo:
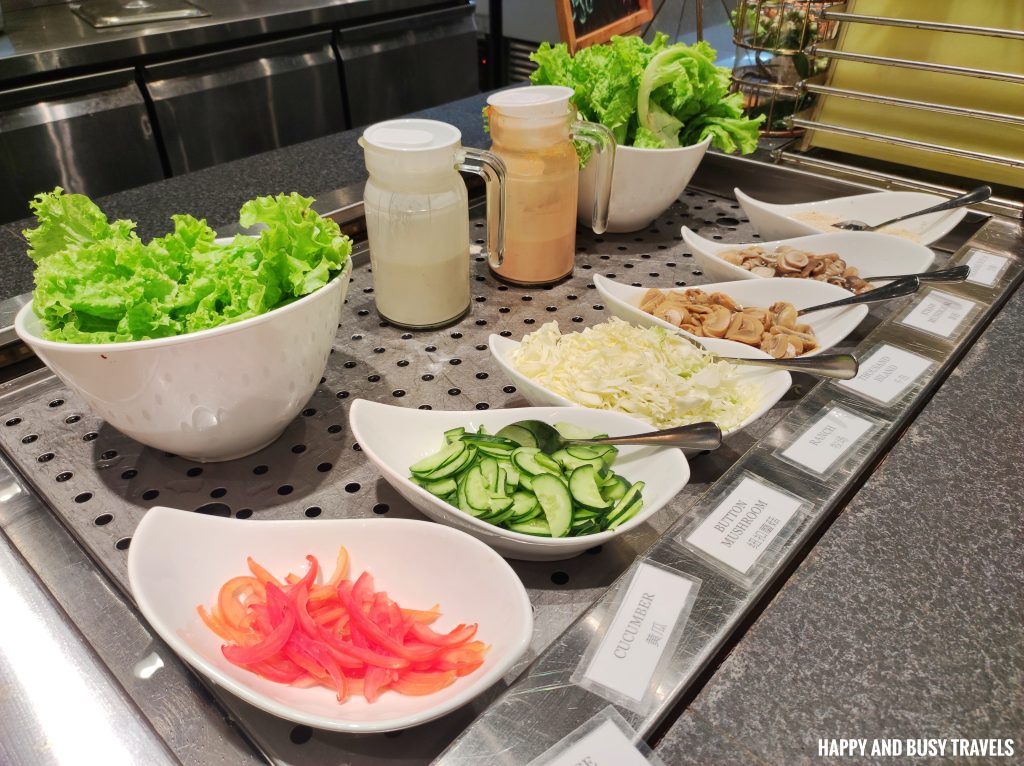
(492, 169)
(603, 142)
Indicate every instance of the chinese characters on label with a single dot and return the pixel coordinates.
(631, 649)
(939, 313)
(744, 524)
(827, 439)
(887, 373)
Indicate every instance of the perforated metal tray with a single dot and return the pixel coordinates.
(99, 482)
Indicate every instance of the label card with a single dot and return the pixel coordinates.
(939, 313)
(985, 267)
(605, 745)
(887, 373)
(827, 439)
(640, 632)
(744, 524)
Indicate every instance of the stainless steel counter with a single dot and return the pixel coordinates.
(37, 41)
(78, 548)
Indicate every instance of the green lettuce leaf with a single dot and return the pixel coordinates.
(652, 95)
(97, 282)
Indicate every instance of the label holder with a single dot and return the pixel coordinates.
(992, 276)
(857, 447)
(559, 755)
(767, 560)
(908, 391)
(964, 324)
(670, 640)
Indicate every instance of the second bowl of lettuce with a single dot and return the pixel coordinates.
(200, 347)
(664, 103)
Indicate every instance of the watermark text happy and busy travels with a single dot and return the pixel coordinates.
(911, 747)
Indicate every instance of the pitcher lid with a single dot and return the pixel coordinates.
(411, 135)
(542, 101)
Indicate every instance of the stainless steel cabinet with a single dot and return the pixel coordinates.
(222, 106)
(396, 67)
(89, 134)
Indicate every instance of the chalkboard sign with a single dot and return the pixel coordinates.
(588, 22)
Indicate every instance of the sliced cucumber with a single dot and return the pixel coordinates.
(584, 490)
(619, 513)
(489, 468)
(443, 457)
(525, 459)
(506, 481)
(615, 490)
(453, 434)
(490, 443)
(548, 463)
(442, 487)
(453, 467)
(570, 462)
(477, 494)
(537, 527)
(555, 501)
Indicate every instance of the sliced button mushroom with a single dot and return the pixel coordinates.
(760, 314)
(763, 271)
(717, 321)
(791, 261)
(745, 329)
(724, 300)
(783, 314)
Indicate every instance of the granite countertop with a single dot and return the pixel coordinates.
(905, 620)
(216, 194)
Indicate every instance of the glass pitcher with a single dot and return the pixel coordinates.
(417, 219)
(532, 130)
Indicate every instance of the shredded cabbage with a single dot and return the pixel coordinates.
(648, 373)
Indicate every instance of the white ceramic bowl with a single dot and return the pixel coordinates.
(645, 182)
(210, 395)
(773, 383)
(180, 559)
(777, 221)
(396, 437)
(830, 326)
(872, 254)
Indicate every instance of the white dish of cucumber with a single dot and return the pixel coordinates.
(523, 502)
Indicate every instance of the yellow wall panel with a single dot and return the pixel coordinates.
(973, 134)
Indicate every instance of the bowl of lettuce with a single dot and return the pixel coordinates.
(665, 104)
(203, 347)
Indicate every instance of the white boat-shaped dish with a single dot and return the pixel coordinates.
(774, 383)
(396, 437)
(778, 222)
(830, 326)
(179, 559)
(871, 254)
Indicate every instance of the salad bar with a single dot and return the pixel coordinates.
(100, 482)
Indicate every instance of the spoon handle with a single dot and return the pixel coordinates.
(980, 194)
(902, 286)
(954, 274)
(696, 436)
(838, 366)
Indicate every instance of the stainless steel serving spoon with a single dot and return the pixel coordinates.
(697, 436)
(954, 274)
(980, 194)
(897, 289)
(838, 366)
